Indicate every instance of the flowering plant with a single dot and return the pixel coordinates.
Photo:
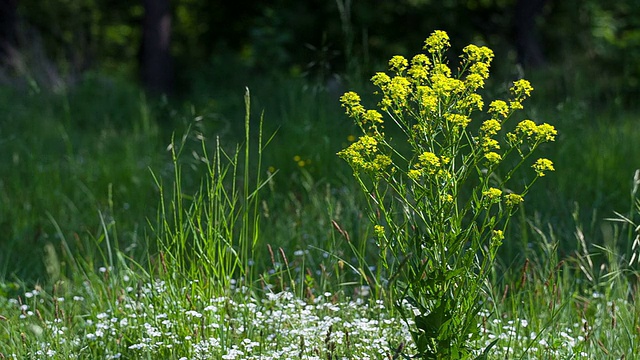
(437, 191)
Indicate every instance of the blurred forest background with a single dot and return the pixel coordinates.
(91, 90)
(167, 44)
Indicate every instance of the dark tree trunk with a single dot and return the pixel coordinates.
(156, 65)
(8, 22)
(526, 33)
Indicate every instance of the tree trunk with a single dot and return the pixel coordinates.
(8, 38)
(527, 40)
(156, 64)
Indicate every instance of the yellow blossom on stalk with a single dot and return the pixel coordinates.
(489, 144)
(458, 120)
(490, 127)
(474, 81)
(481, 69)
(398, 90)
(471, 102)
(381, 80)
(513, 199)
(379, 231)
(373, 117)
(499, 107)
(351, 101)
(380, 163)
(546, 132)
(527, 128)
(521, 88)
(420, 60)
(427, 98)
(437, 42)
(492, 194)
(476, 53)
(398, 64)
(493, 158)
(363, 155)
(442, 69)
(515, 105)
(447, 198)
(446, 86)
(414, 174)
(542, 165)
(429, 159)
(418, 73)
(496, 238)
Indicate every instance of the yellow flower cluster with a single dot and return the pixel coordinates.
(379, 231)
(492, 195)
(542, 165)
(398, 64)
(363, 155)
(513, 200)
(426, 84)
(428, 164)
(437, 42)
(351, 101)
(533, 133)
(521, 90)
(366, 118)
(499, 107)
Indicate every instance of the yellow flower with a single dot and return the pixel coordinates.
(493, 157)
(490, 127)
(474, 81)
(537, 133)
(470, 102)
(362, 155)
(521, 88)
(542, 165)
(351, 101)
(418, 73)
(499, 107)
(489, 144)
(527, 128)
(475, 53)
(546, 132)
(513, 199)
(414, 174)
(515, 105)
(381, 80)
(445, 86)
(379, 231)
(437, 42)
(398, 90)
(496, 238)
(372, 116)
(429, 159)
(421, 60)
(398, 64)
(492, 194)
(427, 98)
(458, 120)
(481, 69)
(442, 69)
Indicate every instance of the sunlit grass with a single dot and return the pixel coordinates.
(82, 275)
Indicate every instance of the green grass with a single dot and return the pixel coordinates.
(94, 265)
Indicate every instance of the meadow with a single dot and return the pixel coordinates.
(224, 226)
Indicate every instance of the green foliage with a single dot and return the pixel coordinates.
(212, 234)
(440, 208)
